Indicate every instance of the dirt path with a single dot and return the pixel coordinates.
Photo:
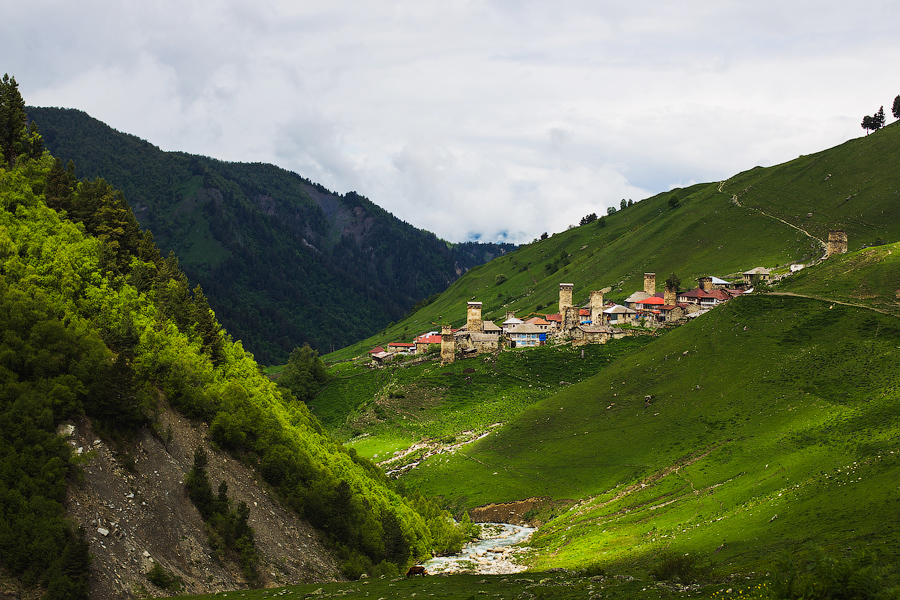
(832, 301)
(737, 202)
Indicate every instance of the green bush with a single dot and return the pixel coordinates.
(856, 577)
(159, 577)
(682, 568)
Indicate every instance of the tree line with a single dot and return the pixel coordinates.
(876, 121)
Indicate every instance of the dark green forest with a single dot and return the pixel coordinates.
(95, 321)
(283, 260)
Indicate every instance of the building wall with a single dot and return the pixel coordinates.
(473, 318)
(448, 345)
(650, 283)
(837, 242)
(596, 307)
(565, 296)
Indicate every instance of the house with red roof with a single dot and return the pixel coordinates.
(396, 347)
(423, 341)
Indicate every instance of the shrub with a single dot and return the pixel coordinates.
(161, 578)
(859, 577)
(684, 568)
(594, 570)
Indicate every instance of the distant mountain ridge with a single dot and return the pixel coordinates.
(283, 260)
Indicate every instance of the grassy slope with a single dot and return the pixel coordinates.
(710, 233)
(767, 406)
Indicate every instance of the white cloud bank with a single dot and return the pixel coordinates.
(472, 119)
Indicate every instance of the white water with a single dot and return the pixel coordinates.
(493, 553)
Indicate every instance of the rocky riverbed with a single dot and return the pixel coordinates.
(494, 553)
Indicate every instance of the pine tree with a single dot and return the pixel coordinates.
(13, 121)
(896, 108)
(879, 118)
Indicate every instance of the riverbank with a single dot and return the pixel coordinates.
(495, 552)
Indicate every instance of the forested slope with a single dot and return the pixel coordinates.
(283, 260)
(96, 322)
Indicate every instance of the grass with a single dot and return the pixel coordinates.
(430, 400)
(773, 422)
(505, 587)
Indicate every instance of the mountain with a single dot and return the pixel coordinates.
(124, 404)
(771, 217)
(283, 260)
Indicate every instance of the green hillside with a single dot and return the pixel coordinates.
(95, 322)
(283, 260)
(756, 218)
(774, 422)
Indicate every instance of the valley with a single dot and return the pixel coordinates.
(731, 454)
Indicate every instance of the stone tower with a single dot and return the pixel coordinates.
(510, 314)
(473, 318)
(706, 284)
(596, 306)
(448, 345)
(565, 297)
(650, 284)
(837, 242)
(670, 297)
(571, 318)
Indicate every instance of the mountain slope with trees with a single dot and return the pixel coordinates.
(283, 260)
(97, 323)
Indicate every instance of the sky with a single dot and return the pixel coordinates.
(492, 120)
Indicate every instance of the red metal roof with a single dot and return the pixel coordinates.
(697, 293)
(429, 339)
(400, 345)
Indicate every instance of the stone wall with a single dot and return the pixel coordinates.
(565, 296)
(473, 318)
(837, 242)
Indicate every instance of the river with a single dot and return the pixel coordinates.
(493, 553)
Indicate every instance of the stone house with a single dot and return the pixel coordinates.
(597, 334)
(619, 315)
(401, 347)
(758, 274)
(424, 341)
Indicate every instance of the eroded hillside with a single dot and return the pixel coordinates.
(135, 509)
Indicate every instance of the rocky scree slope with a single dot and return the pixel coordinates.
(140, 515)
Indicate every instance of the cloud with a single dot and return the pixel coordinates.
(470, 118)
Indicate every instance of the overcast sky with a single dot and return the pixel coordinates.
(495, 120)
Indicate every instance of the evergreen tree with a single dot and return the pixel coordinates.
(305, 374)
(13, 121)
(673, 282)
(896, 108)
(879, 118)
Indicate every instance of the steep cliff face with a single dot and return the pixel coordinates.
(136, 512)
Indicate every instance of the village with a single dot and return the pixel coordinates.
(595, 322)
